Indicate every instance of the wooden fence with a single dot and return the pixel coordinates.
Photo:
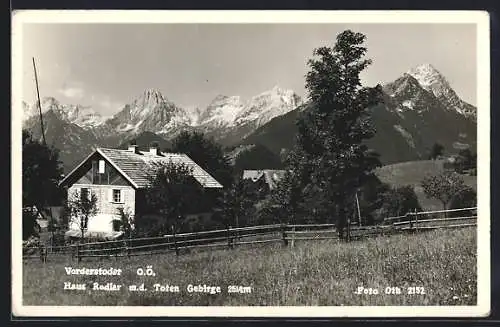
(278, 233)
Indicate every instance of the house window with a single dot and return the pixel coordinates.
(102, 166)
(117, 196)
(84, 193)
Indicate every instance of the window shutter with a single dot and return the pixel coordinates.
(110, 195)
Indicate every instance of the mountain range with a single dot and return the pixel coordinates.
(419, 108)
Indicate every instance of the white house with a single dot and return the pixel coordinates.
(117, 177)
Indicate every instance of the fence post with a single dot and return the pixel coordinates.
(229, 238)
(175, 241)
(283, 235)
(78, 259)
(408, 218)
(43, 256)
(348, 229)
(416, 219)
(127, 248)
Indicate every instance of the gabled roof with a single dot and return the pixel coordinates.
(271, 177)
(134, 166)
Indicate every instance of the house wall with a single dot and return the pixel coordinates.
(107, 210)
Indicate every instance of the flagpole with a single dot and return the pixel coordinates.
(39, 103)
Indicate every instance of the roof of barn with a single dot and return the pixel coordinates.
(271, 177)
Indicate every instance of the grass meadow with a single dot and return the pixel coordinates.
(313, 273)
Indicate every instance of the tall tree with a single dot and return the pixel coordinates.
(238, 202)
(206, 153)
(42, 170)
(331, 134)
(288, 199)
(173, 194)
(399, 201)
(82, 206)
(444, 187)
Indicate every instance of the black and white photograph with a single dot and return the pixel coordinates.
(230, 163)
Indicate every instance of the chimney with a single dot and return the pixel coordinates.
(133, 147)
(154, 149)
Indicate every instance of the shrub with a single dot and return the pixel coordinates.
(443, 187)
(399, 201)
(30, 225)
(31, 245)
(151, 225)
(57, 238)
(466, 198)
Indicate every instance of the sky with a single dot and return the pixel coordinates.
(108, 65)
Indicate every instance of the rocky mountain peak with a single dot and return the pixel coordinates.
(222, 110)
(49, 103)
(267, 105)
(430, 79)
(150, 98)
(422, 86)
(150, 111)
(83, 116)
(402, 86)
(424, 70)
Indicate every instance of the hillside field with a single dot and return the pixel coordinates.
(412, 173)
(440, 264)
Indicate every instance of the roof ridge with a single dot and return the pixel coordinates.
(127, 150)
(129, 164)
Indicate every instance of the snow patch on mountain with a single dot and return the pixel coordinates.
(231, 112)
(408, 137)
(428, 77)
(222, 111)
(268, 105)
(193, 113)
(408, 104)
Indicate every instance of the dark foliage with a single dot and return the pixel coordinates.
(173, 194)
(239, 201)
(398, 201)
(465, 198)
(206, 153)
(30, 225)
(42, 171)
(436, 151)
(257, 157)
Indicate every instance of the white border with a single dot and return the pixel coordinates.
(481, 19)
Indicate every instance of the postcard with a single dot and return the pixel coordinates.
(250, 163)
